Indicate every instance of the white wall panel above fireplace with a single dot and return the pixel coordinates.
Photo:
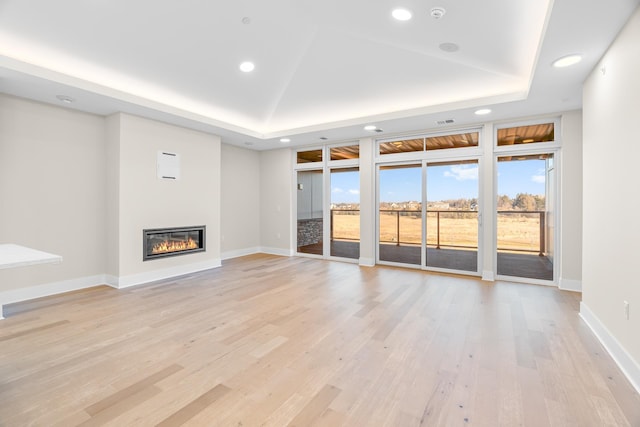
(146, 202)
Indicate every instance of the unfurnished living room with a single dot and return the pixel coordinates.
(303, 213)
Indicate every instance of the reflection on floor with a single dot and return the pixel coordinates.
(530, 266)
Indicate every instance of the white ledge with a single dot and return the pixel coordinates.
(12, 256)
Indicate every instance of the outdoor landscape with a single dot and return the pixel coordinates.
(450, 223)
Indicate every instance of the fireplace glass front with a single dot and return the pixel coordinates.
(164, 242)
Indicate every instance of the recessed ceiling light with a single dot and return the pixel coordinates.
(567, 61)
(370, 128)
(438, 12)
(66, 99)
(246, 20)
(401, 14)
(285, 140)
(247, 67)
(483, 111)
(449, 47)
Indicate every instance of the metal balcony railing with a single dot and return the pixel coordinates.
(395, 235)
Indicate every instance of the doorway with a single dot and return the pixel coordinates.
(525, 219)
(428, 215)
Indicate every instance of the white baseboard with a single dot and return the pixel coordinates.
(165, 273)
(48, 289)
(367, 262)
(111, 280)
(240, 252)
(629, 367)
(570, 285)
(54, 288)
(277, 251)
(488, 276)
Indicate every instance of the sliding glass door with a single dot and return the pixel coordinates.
(310, 222)
(428, 215)
(344, 224)
(525, 216)
(452, 215)
(400, 222)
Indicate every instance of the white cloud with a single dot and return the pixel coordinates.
(354, 191)
(538, 179)
(462, 172)
(337, 190)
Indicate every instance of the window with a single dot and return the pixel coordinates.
(311, 156)
(344, 153)
(459, 140)
(431, 142)
(526, 134)
(402, 146)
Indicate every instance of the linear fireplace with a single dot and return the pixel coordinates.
(165, 242)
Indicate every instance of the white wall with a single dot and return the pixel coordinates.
(611, 230)
(571, 203)
(276, 186)
(52, 190)
(240, 201)
(112, 142)
(148, 202)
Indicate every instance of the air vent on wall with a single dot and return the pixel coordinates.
(445, 122)
(168, 165)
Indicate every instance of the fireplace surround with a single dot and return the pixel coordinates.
(167, 242)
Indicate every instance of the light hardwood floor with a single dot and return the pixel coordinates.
(277, 341)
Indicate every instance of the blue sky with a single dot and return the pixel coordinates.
(444, 182)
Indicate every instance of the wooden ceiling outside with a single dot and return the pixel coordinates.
(402, 146)
(526, 134)
(432, 143)
(344, 153)
(310, 156)
(507, 136)
(453, 141)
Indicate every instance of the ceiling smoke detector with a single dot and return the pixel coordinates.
(438, 12)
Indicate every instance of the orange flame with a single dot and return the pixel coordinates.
(174, 246)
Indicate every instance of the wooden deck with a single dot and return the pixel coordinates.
(278, 341)
(525, 265)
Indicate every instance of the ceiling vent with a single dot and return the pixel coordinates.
(445, 122)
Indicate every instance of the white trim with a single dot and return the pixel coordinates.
(276, 251)
(570, 285)
(487, 275)
(165, 273)
(48, 289)
(629, 367)
(366, 262)
(239, 252)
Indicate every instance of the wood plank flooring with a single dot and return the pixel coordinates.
(276, 341)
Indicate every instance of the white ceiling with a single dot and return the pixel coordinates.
(323, 68)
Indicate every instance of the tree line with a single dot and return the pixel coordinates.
(521, 202)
